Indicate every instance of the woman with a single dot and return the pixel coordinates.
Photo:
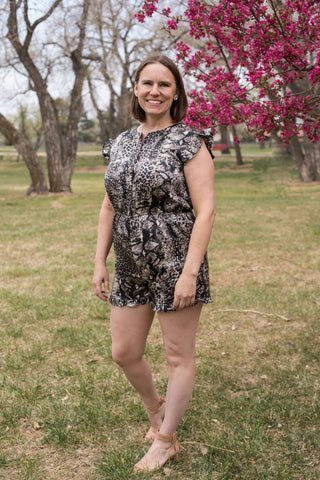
(159, 212)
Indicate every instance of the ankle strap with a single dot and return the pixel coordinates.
(166, 438)
(155, 407)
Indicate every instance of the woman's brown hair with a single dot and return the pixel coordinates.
(179, 107)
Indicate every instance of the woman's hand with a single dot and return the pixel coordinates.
(185, 291)
(100, 282)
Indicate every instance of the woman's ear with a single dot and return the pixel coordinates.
(135, 89)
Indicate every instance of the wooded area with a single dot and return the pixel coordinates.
(97, 43)
(78, 58)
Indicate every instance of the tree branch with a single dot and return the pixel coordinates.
(47, 15)
(31, 28)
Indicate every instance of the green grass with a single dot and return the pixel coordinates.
(66, 411)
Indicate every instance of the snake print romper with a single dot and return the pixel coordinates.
(153, 214)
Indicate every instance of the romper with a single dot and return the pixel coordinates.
(154, 217)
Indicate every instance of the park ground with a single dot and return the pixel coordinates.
(66, 411)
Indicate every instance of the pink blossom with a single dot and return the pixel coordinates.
(140, 16)
(149, 7)
(166, 12)
(172, 24)
(251, 60)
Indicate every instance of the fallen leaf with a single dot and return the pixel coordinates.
(204, 449)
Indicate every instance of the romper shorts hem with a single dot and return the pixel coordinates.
(156, 307)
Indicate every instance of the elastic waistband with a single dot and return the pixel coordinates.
(153, 213)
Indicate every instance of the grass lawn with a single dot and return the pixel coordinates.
(66, 411)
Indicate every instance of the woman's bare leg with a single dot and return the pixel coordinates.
(179, 332)
(129, 330)
(179, 335)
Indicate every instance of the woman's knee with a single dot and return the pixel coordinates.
(176, 359)
(129, 330)
(124, 355)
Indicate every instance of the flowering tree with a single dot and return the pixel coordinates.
(258, 64)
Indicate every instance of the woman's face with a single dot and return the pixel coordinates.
(156, 90)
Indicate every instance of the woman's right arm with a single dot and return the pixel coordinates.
(101, 275)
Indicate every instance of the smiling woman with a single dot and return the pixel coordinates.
(156, 90)
(158, 212)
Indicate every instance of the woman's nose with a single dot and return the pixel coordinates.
(155, 89)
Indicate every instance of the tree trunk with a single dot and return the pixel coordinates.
(112, 127)
(29, 155)
(60, 158)
(309, 168)
(237, 147)
(58, 181)
(102, 124)
(225, 139)
(124, 102)
(297, 152)
(309, 161)
(124, 119)
(307, 158)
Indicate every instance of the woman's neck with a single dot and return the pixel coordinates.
(153, 124)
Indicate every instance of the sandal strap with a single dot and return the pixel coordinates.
(166, 438)
(155, 407)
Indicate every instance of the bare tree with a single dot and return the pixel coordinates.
(118, 43)
(29, 154)
(61, 152)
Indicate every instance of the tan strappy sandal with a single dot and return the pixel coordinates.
(172, 439)
(152, 409)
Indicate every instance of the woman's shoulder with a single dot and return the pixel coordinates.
(183, 130)
(113, 142)
(189, 140)
(188, 133)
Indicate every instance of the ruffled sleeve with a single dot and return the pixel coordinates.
(106, 150)
(191, 143)
(207, 137)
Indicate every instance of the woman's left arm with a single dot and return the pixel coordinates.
(199, 174)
